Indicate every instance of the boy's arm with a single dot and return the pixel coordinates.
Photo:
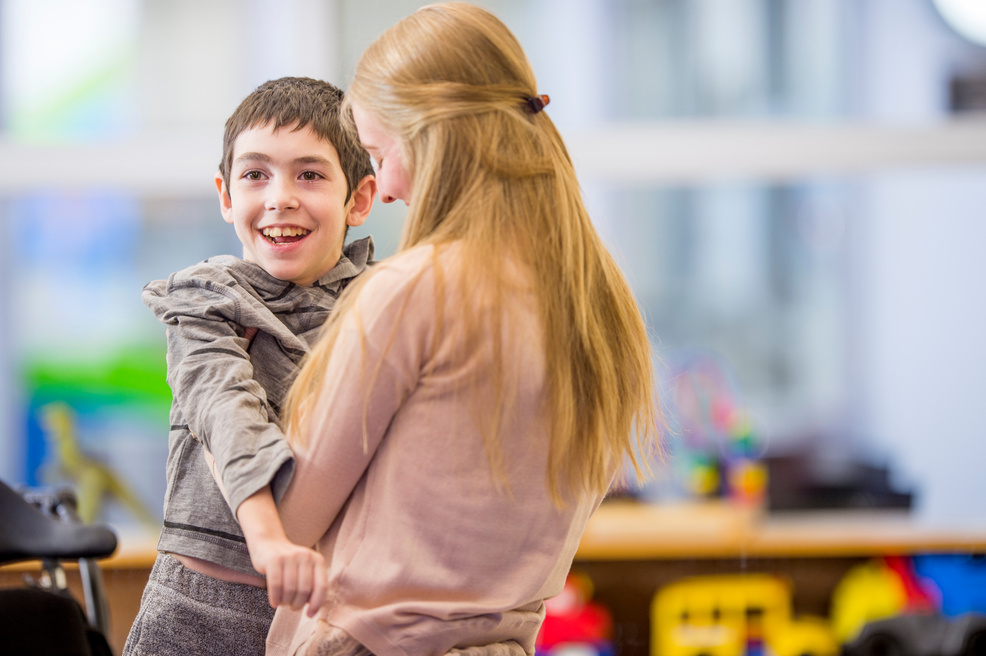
(295, 575)
(212, 378)
(226, 408)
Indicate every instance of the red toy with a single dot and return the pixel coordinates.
(573, 618)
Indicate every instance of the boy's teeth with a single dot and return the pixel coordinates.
(284, 232)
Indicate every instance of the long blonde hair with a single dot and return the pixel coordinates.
(452, 84)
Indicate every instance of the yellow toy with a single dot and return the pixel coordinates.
(733, 615)
(879, 589)
(91, 479)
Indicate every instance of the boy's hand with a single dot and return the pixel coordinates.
(249, 334)
(296, 575)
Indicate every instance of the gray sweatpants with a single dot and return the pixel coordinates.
(184, 613)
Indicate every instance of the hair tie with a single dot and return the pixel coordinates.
(536, 103)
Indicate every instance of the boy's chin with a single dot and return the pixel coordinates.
(300, 278)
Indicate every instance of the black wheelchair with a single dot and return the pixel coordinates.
(43, 617)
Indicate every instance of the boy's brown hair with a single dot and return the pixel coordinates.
(309, 103)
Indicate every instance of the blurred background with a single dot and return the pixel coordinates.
(795, 189)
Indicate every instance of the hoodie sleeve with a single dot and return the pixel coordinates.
(211, 375)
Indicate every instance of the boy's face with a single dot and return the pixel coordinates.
(287, 201)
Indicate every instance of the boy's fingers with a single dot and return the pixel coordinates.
(274, 586)
(296, 578)
(303, 587)
(290, 583)
(320, 589)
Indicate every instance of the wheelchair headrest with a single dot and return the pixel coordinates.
(27, 533)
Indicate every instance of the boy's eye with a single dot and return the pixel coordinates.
(253, 175)
(310, 175)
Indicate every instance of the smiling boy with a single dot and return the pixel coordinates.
(288, 215)
(291, 182)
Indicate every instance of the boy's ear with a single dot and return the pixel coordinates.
(225, 202)
(361, 201)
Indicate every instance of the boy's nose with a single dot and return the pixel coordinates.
(281, 196)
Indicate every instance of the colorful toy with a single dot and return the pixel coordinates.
(721, 450)
(733, 615)
(573, 623)
(959, 581)
(875, 590)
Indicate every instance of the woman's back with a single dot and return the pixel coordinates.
(432, 532)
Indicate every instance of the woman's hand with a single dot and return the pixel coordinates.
(296, 575)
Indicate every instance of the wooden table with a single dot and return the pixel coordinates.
(625, 530)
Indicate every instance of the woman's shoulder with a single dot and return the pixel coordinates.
(393, 279)
(401, 291)
(407, 285)
(421, 257)
(404, 271)
(404, 261)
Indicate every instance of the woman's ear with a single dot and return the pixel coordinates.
(225, 202)
(361, 201)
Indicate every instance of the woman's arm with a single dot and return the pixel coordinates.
(326, 473)
(363, 388)
(375, 363)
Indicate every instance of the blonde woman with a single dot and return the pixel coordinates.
(472, 397)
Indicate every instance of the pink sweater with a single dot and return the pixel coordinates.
(425, 552)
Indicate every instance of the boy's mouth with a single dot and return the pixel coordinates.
(287, 235)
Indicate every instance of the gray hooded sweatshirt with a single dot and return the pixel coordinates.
(228, 391)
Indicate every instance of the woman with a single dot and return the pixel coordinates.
(473, 396)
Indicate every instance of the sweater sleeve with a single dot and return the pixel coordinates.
(212, 379)
(375, 364)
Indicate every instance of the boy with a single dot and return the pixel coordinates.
(291, 181)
